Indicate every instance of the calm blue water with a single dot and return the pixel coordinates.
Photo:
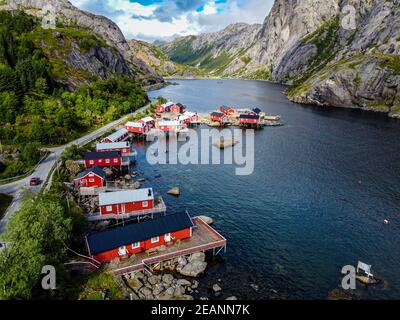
(321, 188)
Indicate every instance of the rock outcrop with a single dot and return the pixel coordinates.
(364, 69)
(68, 15)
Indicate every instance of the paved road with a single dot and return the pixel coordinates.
(18, 188)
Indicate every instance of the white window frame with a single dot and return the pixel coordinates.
(107, 160)
(145, 204)
(109, 208)
(122, 251)
(136, 245)
(115, 160)
(91, 180)
(155, 239)
(168, 235)
(91, 161)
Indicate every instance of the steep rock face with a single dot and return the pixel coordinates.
(364, 71)
(287, 23)
(74, 63)
(69, 15)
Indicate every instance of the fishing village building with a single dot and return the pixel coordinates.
(219, 117)
(170, 125)
(103, 159)
(124, 204)
(120, 135)
(250, 120)
(124, 147)
(137, 127)
(148, 121)
(90, 178)
(166, 107)
(138, 237)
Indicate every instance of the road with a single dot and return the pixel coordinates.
(18, 188)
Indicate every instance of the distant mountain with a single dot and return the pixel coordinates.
(304, 44)
(223, 53)
(159, 63)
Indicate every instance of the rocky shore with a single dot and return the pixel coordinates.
(168, 283)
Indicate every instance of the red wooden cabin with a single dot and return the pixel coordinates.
(219, 117)
(103, 159)
(160, 109)
(148, 121)
(226, 110)
(93, 177)
(170, 126)
(137, 127)
(194, 117)
(124, 147)
(178, 108)
(117, 136)
(127, 201)
(252, 119)
(122, 242)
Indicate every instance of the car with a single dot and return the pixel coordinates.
(34, 181)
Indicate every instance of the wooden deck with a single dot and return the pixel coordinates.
(158, 208)
(203, 238)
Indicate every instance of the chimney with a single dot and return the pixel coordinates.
(149, 192)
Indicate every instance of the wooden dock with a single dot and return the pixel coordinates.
(203, 238)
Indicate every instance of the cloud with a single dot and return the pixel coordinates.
(165, 19)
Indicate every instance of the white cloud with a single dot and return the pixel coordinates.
(148, 22)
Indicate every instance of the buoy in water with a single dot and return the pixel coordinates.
(386, 221)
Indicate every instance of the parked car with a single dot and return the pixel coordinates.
(34, 181)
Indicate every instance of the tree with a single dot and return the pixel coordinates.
(30, 153)
(37, 234)
(8, 107)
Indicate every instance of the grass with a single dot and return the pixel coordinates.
(5, 201)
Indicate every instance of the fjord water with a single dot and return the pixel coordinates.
(322, 186)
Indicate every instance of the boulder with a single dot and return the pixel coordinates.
(207, 220)
(179, 290)
(135, 284)
(231, 298)
(158, 289)
(216, 288)
(153, 280)
(182, 261)
(197, 256)
(193, 269)
(167, 278)
(183, 282)
(204, 298)
(146, 292)
(195, 284)
(175, 192)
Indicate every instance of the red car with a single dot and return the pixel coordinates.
(34, 181)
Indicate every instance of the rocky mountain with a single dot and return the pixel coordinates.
(342, 53)
(160, 64)
(362, 67)
(106, 52)
(223, 53)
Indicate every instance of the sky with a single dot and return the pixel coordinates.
(164, 20)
